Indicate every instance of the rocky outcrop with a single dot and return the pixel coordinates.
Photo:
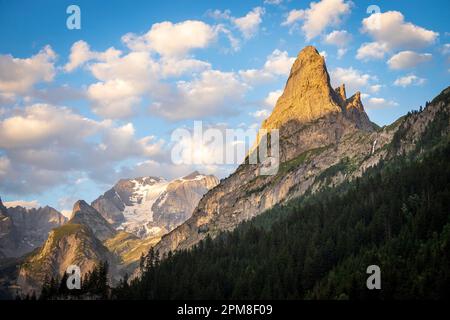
(71, 244)
(86, 215)
(178, 201)
(7, 244)
(22, 230)
(308, 94)
(354, 110)
(325, 139)
(147, 206)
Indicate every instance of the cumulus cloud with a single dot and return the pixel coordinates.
(126, 80)
(408, 59)
(272, 98)
(79, 54)
(268, 103)
(43, 144)
(123, 82)
(340, 39)
(249, 24)
(278, 63)
(18, 76)
(375, 88)
(391, 32)
(319, 16)
(390, 28)
(372, 50)
(354, 80)
(169, 39)
(409, 80)
(379, 103)
(210, 93)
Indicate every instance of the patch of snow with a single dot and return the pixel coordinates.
(144, 195)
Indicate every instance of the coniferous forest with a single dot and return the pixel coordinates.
(316, 247)
(319, 247)
(396, 216)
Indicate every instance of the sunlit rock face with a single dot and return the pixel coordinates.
(325, 139)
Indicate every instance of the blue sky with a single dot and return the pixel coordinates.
(80, 109)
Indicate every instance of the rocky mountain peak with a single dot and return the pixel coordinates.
(354, 110)
(80, 206)
(192, 175)
(86, 215)
(308, 94)
(341, 94)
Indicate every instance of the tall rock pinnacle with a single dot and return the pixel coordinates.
(308, 94)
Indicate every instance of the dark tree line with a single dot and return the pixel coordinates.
(396, 216)
(94, 285)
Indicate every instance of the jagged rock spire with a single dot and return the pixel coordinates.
(308, 94)
(86, 215)
(342, 95)
(354, 110)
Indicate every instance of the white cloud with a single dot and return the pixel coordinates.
(272, 98)
(278, 63)
(273, 2)
(375, 88)
(43, 145)
(372, 50)
(390, 29)
(22, 203)
(408, 59)
(409, 80)
(339, 38)
(446, 49)
(169, 39)
(123, 82)
(353, 79)
(260, 114)
(249, 24)
(391, 32)
(210, 93)
(378, 103)
(18, 76)
(319, 16)
(292, 17)
(80, 53)
(269, 103)
(256, 76)
(219, 15)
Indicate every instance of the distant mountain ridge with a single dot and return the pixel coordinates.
(147, 206)
(91, 236)
(22, 230)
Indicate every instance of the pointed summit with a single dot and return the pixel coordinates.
(86, 215)
(354, 110)
(308, 94)
(342, 95)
